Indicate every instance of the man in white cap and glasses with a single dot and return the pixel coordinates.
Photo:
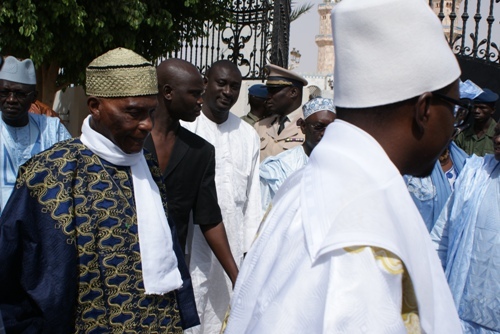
(274, 170)
(85, 244)
(344, 249)
(23, 134)
(431, 192)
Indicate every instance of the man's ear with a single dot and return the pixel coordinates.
(167, 92)
(35, 94)
(93, 104)
(293, 92)
(205, 81)
(302, 124)
(422, 110)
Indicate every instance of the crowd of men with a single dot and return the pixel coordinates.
(170, 214)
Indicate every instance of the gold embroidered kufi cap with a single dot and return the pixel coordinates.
(121, 73)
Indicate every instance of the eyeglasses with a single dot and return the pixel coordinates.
(317, 127)
(4, 94)
(461, 110)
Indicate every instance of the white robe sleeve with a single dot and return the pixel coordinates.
(365, 294)
(439, 233)
(253, 209)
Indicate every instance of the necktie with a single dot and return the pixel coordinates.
(283, 120)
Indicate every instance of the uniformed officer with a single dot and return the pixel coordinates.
(284, 99)
(257, 96)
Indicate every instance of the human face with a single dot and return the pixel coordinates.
(278, 100)
(315, 125)
(482, 112)
(15, 101)
(496, 141)
(222, 90)
(125, 121)
(186, 100)
(258, 106)
(439, 130)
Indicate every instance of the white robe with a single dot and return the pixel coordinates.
(298, 276)
(238, 191)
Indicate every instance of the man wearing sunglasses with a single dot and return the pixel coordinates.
(280, 132)
(344, 249)
(430, 193)
(23, 134)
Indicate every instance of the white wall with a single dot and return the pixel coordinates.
(71, 105)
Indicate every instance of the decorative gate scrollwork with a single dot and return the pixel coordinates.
(245, 40)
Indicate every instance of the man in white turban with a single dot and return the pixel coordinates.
(344, 249)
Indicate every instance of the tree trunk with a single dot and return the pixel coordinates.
(47, 82)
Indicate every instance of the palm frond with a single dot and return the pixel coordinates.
(298, 11)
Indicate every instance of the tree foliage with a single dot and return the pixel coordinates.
(63, 36)
(300, 10)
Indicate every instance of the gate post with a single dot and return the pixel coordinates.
(281, 33)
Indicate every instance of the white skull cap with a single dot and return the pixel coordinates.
(388, 51)
(19, 71)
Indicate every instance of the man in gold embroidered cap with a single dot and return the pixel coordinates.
(284, 99)
(85, 244)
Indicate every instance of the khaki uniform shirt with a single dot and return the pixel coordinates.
(250, 118)
(271, 143)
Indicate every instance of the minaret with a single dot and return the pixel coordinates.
(324, 39)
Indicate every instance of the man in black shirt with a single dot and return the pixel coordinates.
(187, 160)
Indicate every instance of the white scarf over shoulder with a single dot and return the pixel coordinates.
(159, 263)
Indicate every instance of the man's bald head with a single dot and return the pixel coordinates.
(180, 87)
(173, 71)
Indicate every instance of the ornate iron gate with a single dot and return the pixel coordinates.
(245, 40)
(473, 33)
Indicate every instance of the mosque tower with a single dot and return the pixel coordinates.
(324, 39)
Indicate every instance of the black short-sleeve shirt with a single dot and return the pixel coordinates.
(190, 182)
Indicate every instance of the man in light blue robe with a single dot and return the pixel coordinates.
(430, 193)
(274, 170)
(22, 134)
(467, 237)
